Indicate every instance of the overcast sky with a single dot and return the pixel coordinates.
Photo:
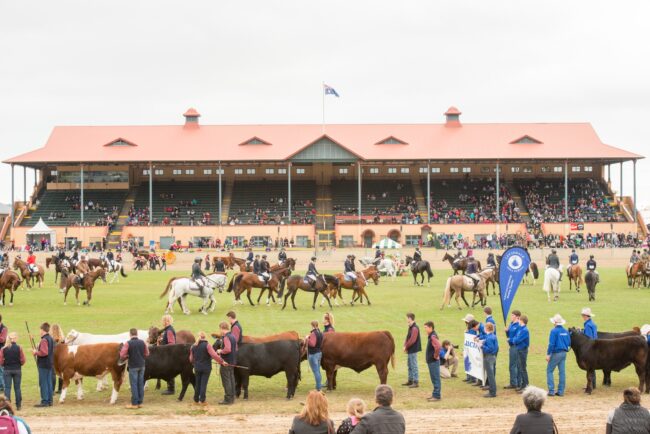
(145, 62)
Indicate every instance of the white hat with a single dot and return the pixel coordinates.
(645, 329)
(557, 319)
(587, 311)
(469, 317)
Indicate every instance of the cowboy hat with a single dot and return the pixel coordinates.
(587, 312)
(645, 329)
(557, 319)
(469, 317)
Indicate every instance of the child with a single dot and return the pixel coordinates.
(356, 410)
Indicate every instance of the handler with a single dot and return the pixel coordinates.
(168, 338)
(201, 355)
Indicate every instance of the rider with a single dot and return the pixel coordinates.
(573, 260)
(554, 262)
(633, 260)
(61, 253)
(491, 261)
(312, 273)
(472, 271)
(82, 267)
(198, 274)
(378, 253)
(417, 257)
(282, 256)
(591, 266)
(350, 271)
(458, 256)
(265, 269)
(75, 257)
(31, 262)
(645, 255)
(219, 266)
(110, 258)
(249, 259)
(256, 264)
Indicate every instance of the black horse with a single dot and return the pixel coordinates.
(419, 267)
(591, 279)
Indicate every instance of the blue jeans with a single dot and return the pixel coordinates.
(314, 364)
(434, 373)
(512, 364)
(522, 372)
(45, 384)
(15, 377)
(2, 378)
(490, 365)
(201, 385)
(412, 362)
(557, 360)
(136, 380)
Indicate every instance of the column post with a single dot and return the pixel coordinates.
(220, 198)
(289, 191)
(13, 203)
(634, 188)
(498, 194)
(150, 193)
(428, 192)
(81, 196)
(566, 191)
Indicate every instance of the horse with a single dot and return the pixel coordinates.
(419, 267)
(332, 289)
(361, 283)
(552, 283)
(458, 284)
(635, 274)
(116, 268)
(87, 283)
(94, 263)
(388, 266)
(59, 264)
(591, 279)
(458, 265)
(29, 276)
(289, 263)
(296, 282)
(179, 287)
(532, 271)
(574, 273)
(492, 278)
(228, 262)
(245, 281)
(9, 280)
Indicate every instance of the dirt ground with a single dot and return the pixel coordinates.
(570, 413)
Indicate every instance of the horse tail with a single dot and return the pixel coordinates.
(429, 272)
(447, 294)
(169, 285)
(237, 280)
(533, 267)
(229, 289)
(392, 354)
(122, 272)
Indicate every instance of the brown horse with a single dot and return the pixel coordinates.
(460, 265)
(9, 280)
(229, 261)
(95, 263)
(635, 273)
(58, 266)
(289, 263)
(245, 281)
(296, 282)
(492, 278)
(358, 285)
(574, 273)
(27, 275)
(87, 283)
(458, 285)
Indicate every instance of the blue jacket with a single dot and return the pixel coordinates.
(512, 331)
(591, 330)
(558, 341)
(490, 344)
(573, 259)
(490, 319)
(522, 338)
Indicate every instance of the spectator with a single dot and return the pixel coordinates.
(534, 421)
(45, 363)
(433, 360)
(314, 417)
(356, 409)
(511, 332)
(629, 417)
(135, 351)
(12, 359)
(490, 351)
(383, 419)
(412, 347)
(448, 360)
(6, 408)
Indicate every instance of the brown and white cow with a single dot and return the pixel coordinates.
(357, 351)
(73, 362)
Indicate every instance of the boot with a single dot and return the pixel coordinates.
(408, 383)
(415, 385)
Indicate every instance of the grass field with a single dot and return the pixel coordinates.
(134, 303)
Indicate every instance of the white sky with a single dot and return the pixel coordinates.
(144, 62)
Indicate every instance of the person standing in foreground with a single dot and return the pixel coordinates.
(559, 343)
(201, 356)
(228, 356)
(432, 355)
(314, 344)
(534, 421)
(235, 328)
(383, 420)
(490, 351)
(412, 347)
(3, 340)
(168, 338)
(522, 342)
(629, 417)
(591, 331)
(12, 359)
(511, 332)
(135, 351)
(45, 363)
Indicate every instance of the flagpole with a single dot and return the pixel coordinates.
(322, 92)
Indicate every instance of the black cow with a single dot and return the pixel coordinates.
(166, 362)
(266, 360)
(607, 374)
(612, 355)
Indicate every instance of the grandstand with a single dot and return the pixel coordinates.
(325, 184)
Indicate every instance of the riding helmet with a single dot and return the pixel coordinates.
(313, 258)
(197, 259)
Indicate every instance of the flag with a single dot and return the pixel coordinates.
(512, 268)
(329, 90)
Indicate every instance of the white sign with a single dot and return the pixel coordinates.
(473, 357)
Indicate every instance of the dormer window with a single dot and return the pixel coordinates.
(391, 140)
(120, 142)
(255, 141)
(525, 140)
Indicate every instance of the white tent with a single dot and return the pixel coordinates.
(40, 230)
(387, 243)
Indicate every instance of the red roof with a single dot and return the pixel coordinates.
(70, 144)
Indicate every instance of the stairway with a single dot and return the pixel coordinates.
(519, 202)
(115, 236)
(419, 195)
(226, 199)
(325, 217)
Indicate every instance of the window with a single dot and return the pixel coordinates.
(219, 171)
(575, 168)
(239, 171)
(404, 170)
(158, 172)
(207, 171)
(514, 169)
(282, 171)
(413, 240)
(343, 170)
(467, 169)
(269, 171)
(546, 169)
(392, 170)
(453, 169)
(374, 170)
(435, 170)
(485, 169)
(54, 172)
(145, 172)
(588, 168)
(422, 170)
(300, 171)
(557, 169)
(189, 171)
(177, 171)
(250, 171)
(528, 169)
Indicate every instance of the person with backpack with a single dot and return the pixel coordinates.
(12, 359)
(9, 422)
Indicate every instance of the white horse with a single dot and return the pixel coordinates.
(78, 338)
(180, 287)
(116, 268)
(387, 266)
(552, 283)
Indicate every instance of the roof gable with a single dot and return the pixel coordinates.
(255, 141)
(120, 142)
(391, 140)
(324, 149)
(526, 140)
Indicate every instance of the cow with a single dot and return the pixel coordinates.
(607, 374)
(73, 362)
(265, 360)
(290, 335)
(611, 355)
(166, 362)
(182, 337)
(357, 351)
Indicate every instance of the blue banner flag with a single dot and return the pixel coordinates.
(512, 268)
(329, 90)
